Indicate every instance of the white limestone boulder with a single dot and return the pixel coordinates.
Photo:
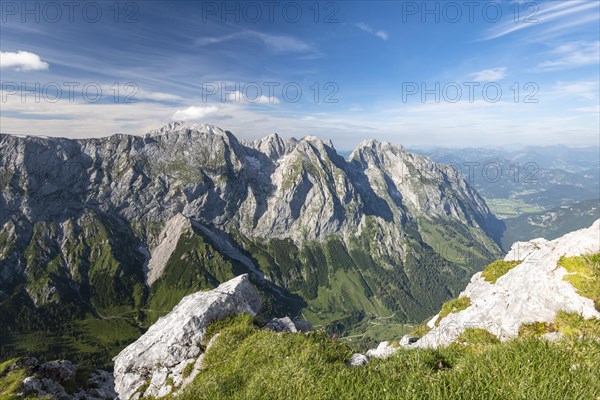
(156, 361)
(532, 291)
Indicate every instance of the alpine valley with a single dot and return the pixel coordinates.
(101, 237)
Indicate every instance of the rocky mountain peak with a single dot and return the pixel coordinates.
(273, 146)
(317, 141)
(178, 126)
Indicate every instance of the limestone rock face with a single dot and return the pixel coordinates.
(158, 358)
(169, 237)
(532, 291)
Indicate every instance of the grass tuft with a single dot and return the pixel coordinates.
(573, 324)
(584, 275)
(10, 381)
(536, 329)
(187, 370)
(498, 268)
(420, 330)
(478, 336)
(237, 323)
(453, 306)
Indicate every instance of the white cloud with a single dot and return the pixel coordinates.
(572, 55)
(22, 61)
(193, 113)
(583, 89)
(454, 124)
(486, 75)
(367, 28)
(278, 43)
(563, 14)
(283, 43)
(157, 96)
(251, 98)
(444, 124)
(205, 41)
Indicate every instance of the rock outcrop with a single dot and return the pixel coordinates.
(532, 291)
(285, 324)
(155, 363)
(383, 350)
(63, 380)
(168, 239)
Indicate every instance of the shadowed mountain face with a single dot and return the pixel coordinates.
(117, 230)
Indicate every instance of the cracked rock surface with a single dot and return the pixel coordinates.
(158, 358)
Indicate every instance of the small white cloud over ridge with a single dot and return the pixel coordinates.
(22, 61)
(193, 113)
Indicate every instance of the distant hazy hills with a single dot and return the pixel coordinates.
(539, 191)
(547, 176)
(550, 224)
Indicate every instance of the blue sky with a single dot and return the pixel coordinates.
(369, 62)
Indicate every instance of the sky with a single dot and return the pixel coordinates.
(417, 73)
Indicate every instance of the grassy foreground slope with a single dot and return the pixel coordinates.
(248, 363)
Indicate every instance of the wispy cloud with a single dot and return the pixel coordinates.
(157, 96)
(194, 113)
(486, 75)
(572, 55)
(278, 43)
(22, 61)
(583, 89)
(367, 28)
(560, 14)
(239, 97)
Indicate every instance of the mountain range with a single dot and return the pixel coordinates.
(100, 237)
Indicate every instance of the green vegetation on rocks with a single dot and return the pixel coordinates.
(420, 330)
(477, 336)
(498, 268)
(187, 370)
(570, 324)
(584, 275)
(573, 324)
(535, 329)
(453, 306)
(10, 381)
